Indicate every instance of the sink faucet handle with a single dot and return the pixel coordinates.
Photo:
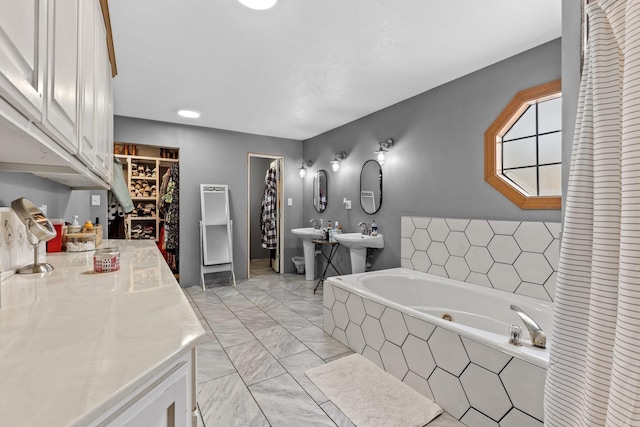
(538, 337)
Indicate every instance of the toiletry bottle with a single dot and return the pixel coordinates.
(374, 228)
(329, 224)
(337, 227)
(340, 229)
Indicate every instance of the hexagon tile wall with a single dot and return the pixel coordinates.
(479, 385)
(513, 256)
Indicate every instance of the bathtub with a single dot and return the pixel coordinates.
(395, 317)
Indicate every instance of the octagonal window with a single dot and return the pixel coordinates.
(523, 148)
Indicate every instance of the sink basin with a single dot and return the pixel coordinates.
(359, 240)
(358, 244)
(308, 234)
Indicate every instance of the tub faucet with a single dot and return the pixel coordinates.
(538, 338)
(364, 227)
(316, 224)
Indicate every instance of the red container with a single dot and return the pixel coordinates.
(55, 244)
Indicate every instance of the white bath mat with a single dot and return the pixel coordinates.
(369, 396)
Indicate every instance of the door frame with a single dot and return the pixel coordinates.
(251, 155)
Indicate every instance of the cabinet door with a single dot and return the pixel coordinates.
(104, 146)
(61, 108)
(88, 58)
(22, 54)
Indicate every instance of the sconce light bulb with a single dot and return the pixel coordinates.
(381, 157)
(335, 166)
(303, 172)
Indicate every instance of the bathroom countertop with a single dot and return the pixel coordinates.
(73, 343)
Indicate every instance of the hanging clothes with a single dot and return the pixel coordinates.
(268, 223)
(172, 198)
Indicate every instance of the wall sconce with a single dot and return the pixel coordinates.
(303, 169)
(382, 151)
(337, 159)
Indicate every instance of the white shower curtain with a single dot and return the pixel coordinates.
(594, 370)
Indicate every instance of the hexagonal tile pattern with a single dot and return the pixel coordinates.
(340, 316)
(533, 267)
(355, 309)
(406, 227)
(504, 227)
(478, 232)
(457, 224)
(554, 228)
(420, 261)
(533, 237)
(457, 243)
(487, 357)
(550, 286)
(393, 360)
(341, 336)
(457, 268)
(393, 326)
(328, 298)
(355, 337)
(421, 222)
(419, 384)
(438, 229)
(327, 321)
(485, 391)
(418, 356)
(504, 277)
(479, 259)
(373, 356)
(477, 419)
(406, 248)
(420, 239)
(438, 253)
(448, 351)
(341, 294)
(517, 418)
(438, 270)
(418, 327)
(406, 263)
(528, 399)
(373, 308)
(479, 279)
(448, 392)
(533, 290)
(504, 249)
(372, 331)
(552, 254)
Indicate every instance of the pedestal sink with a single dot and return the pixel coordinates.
(307, 235)
(358, 244)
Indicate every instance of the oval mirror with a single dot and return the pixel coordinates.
(320, 188)
(371, 187)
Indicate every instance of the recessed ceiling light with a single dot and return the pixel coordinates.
(189, 114)
(259, 4)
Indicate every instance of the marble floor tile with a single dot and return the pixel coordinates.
(254, 319)
(445, 420)
(319, 342)
(304, 308)
(336, 415)
(212, 362)
(231, 332)
(226, 401)
(266, 302)
(297, 364)
(279, 341)
(217, 314)
(283, 295)
(285, 403)
(237, 303)
(340, 356)
(288, 318)
(254, 363)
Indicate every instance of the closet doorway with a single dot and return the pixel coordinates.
(265, 237)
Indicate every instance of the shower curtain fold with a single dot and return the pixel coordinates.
(594, 369)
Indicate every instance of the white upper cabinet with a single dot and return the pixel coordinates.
(88, 62)
(104, 140)
(61, 81)
(22, 55)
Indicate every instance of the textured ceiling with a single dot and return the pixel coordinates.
(307, 66)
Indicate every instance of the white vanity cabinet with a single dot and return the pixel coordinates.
(23, 34)
(55, 70)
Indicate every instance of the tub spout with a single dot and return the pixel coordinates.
(538, 338)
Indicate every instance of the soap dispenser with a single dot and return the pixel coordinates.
(374, 229)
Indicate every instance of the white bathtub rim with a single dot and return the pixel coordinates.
(527, 352)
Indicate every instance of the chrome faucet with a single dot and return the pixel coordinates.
(364, 227)
(316, 224)
(538, 338)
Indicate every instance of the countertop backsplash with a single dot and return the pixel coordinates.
(15, 250)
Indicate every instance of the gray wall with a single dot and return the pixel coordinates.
(61, 201)
(212, 156)
(435, 167)
(259, 168)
